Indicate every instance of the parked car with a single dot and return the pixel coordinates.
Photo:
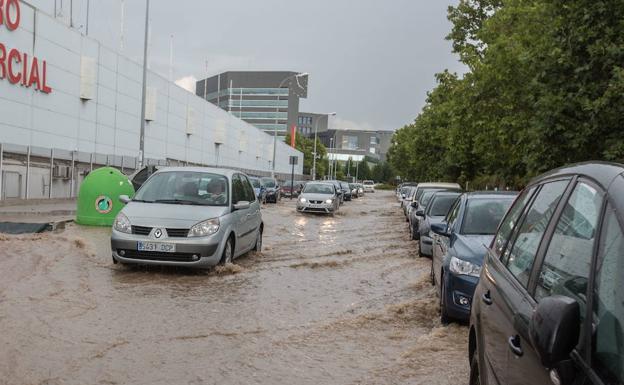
(339, 190)
(356, 191)
(319, 197)
(551, 306)
(459, 247)
(411, 208)
(288, 189)
(435, 212)
(346, 190)
(360, 188)
(273, 190)
(259, 188)
(421, 189)
(369, 186)
(139, 177)
(404, 184)
(434, 186)
(190, 216)
(406, 198)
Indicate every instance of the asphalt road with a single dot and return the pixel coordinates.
(330, 300)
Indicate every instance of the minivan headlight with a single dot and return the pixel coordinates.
(459, 266)
(302, 200)
(122, 224)
(329, 201)
(205, 228)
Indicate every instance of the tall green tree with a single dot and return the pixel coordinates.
(544, 87)
(306, 146)
(364, 171)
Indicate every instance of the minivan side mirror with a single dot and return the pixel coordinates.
(403, 196)
(124, 199)
(440, 229)
(554, 329)
(414, 205)
(420, 213)
(242, 205)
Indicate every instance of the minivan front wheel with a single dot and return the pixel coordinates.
(258, 247)
(228, 252)
(475, 378)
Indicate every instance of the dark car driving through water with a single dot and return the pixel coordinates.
(273, 190)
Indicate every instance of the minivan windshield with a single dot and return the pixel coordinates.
(318, 188)
(255, 182)
(268, 182)
(186, 188)
(483, 215)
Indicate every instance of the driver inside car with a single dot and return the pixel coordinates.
(216, 192)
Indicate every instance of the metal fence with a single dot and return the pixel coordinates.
(30, 172)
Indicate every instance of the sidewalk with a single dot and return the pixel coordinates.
(38, 210)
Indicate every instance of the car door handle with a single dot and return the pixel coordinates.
(486, 298)
(514, 345)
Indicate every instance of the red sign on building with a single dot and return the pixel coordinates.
(17, 66)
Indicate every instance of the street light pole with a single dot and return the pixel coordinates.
(144, 91)
(297, 76)
(330, 162)
(315, 139)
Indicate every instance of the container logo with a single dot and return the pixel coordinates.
(103, 204)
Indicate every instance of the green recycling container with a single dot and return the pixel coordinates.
(98, 198)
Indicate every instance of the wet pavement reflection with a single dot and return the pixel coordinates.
(330, 300)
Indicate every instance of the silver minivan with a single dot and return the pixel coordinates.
(188, 216)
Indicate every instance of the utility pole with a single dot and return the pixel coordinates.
(296, 77)
(315, 139)
(144, 91)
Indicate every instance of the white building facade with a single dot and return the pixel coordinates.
(77, 104)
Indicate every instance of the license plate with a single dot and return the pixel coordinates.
(316, 206)
(156, 246)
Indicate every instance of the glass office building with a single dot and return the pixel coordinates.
(267, 99)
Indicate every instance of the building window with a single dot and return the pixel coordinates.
(374, 140)
(270, 127)
(260, 115)
(349, 142)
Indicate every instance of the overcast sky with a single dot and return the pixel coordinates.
(371, 61)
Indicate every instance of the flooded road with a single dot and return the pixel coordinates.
(330, 300)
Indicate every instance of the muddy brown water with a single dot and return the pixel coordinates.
(330, 300)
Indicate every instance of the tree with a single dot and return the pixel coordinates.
(544, 87)
(364, 171)
(383, 172)
(306, 146)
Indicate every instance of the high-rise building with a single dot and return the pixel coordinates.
(268, 100)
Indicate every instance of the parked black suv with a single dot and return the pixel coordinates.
(549, 306)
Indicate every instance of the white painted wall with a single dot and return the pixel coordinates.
(110, 122)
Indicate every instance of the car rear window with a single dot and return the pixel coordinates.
(483, 215)
(441, 205)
